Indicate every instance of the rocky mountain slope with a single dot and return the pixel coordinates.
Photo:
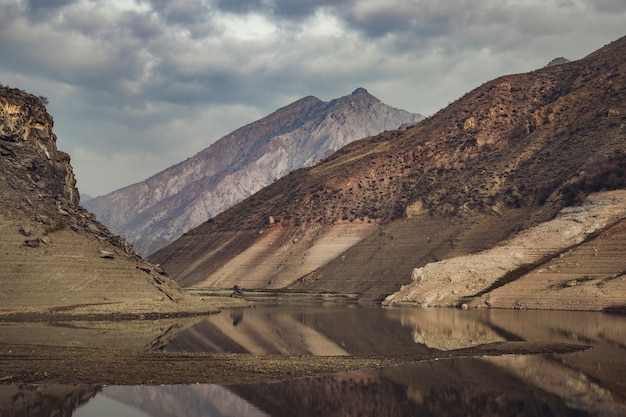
(55, 257)
(445, 282)
(158, 210)
(504, 157)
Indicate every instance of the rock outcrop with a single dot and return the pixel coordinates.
(156, 211)
(447, 282)
(55, 256)
(503, 158)
(558, 61)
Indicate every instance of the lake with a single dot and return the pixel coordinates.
(591, 382)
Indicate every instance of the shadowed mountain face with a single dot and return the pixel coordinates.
(505, 156)
(156, 211)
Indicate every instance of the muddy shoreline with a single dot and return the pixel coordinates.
(37, 364)
(88, 359)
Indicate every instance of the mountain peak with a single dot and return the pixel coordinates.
(504, 157)
(360, 91)
(241, 163)
(557, 61)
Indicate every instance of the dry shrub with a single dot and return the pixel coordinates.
(603, 175)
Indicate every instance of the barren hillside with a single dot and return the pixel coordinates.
(55, 257)
(512, 274)
(156, 211)
(504, 157)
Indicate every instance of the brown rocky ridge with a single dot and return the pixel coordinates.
(505, 157)
(156, 211)
(55, 257)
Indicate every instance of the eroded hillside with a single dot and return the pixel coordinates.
(506, 156)
(511, 274)
(55, 257)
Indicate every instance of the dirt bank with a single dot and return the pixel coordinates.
(66, 365)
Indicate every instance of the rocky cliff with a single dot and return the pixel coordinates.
(156, 211)
(503, 158)
(55, 256)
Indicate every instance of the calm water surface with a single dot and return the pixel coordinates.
(587, 383)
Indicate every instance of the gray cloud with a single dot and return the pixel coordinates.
(297, 9)
(422, 18)
(43, 9)
(154, 81)
(182, 12)
(608, 6)
(243, 6)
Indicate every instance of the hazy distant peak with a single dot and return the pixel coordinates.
(241, 163)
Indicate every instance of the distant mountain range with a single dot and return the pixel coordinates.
(504, 158)
(154, 212)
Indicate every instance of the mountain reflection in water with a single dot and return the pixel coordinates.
(590, 382)
(440, 388)
(321, 331)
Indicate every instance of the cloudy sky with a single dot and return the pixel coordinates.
(136, 86)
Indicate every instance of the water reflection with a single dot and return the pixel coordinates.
(468, 387)
(43, 401)
(591, 382)
(172, 401)
(456, 387)
(317, 331)
(442, 388)
(104, 334)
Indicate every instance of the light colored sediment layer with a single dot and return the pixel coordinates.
(282, 255)
(448, 282)
(587, 277)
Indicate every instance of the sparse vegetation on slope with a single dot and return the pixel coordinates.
(506, 156)
(156, 211)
